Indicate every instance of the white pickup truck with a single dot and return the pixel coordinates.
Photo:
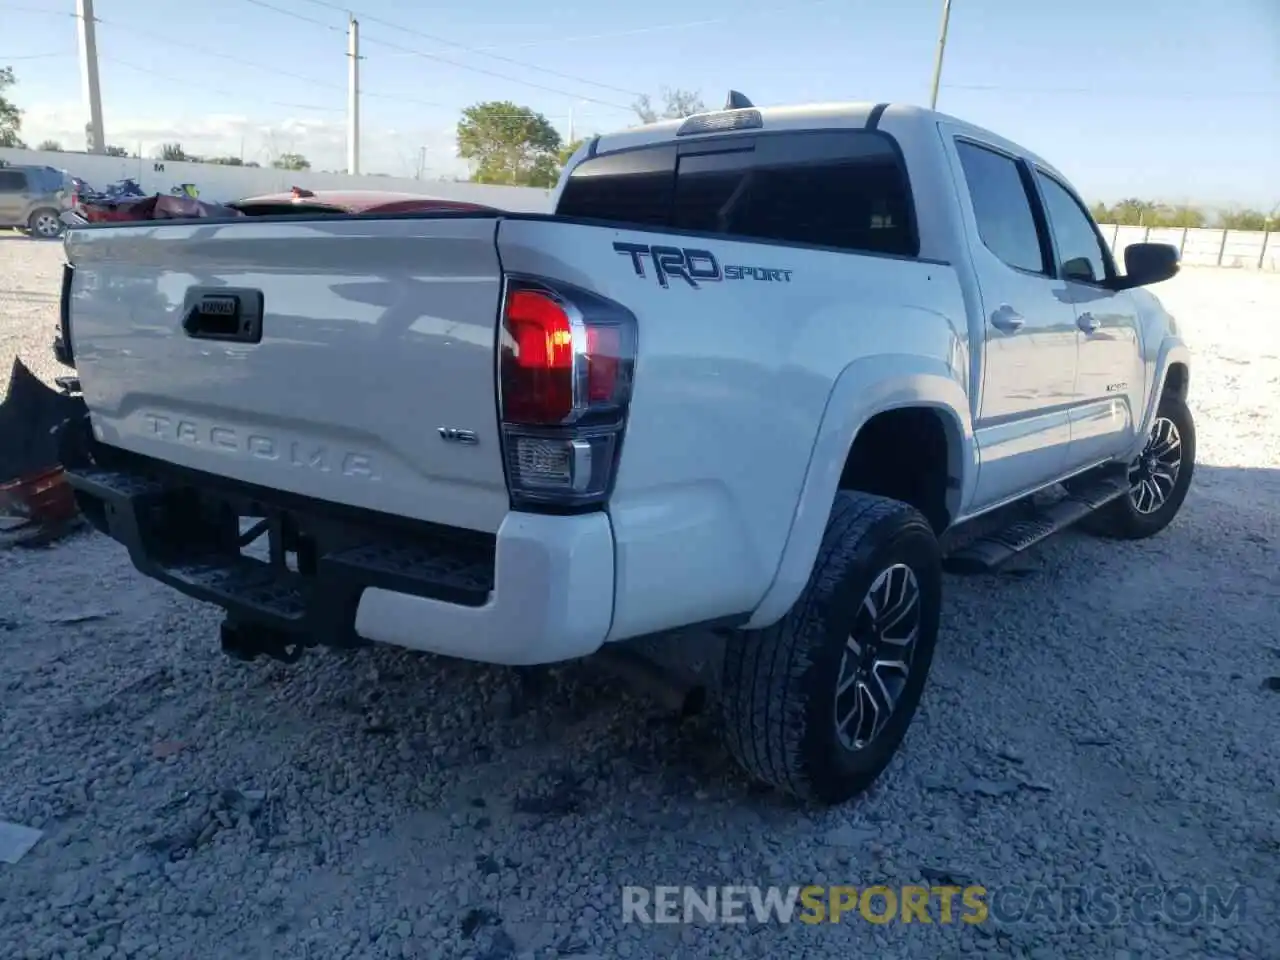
(765, 371)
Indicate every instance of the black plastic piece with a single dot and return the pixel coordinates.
(993, 550)
(186, 534)
(737, 101)
(223, 313)
(62, 351)
(873, 118)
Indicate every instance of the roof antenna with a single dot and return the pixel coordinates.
(737, 101)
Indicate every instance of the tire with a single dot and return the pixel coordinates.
(1136, 515)
(44, 224)
(781, 685)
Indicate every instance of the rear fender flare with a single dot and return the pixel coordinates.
(863, 389)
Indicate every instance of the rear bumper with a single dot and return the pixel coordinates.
(540, 591)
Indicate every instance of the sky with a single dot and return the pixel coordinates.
(1174, 100)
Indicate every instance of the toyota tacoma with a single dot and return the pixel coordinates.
(766, 372)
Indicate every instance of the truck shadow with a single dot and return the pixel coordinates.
(1072, 598)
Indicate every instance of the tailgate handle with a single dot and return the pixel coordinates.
(231, 314)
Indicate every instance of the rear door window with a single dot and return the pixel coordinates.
(842, 189)
(12, 181)
(1002, 207)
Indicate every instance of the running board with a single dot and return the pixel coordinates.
(991, 551)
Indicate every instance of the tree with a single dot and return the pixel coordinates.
(10, 115)
(509, 144)
(173, 151)
(569, 149)
(1248, 220)
(50, 146)
(226, 161)
(113, 151)
(291, 161)
(676, 103)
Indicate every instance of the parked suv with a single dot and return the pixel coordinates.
(33, 198)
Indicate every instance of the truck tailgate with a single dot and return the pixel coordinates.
(367, 380)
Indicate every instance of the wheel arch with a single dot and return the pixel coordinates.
(1171, 370)
(869, 392)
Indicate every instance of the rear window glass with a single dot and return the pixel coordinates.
(841, 189)
(12, 181)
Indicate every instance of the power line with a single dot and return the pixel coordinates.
(1108, 92)
(37, 10)
(38, 56)
(492, 73)
(257, 65)
(204, 86)
(295, 16)
(443, 41)
(663, 27)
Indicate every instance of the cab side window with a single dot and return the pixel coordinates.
(1080, 253)
(1002, 207)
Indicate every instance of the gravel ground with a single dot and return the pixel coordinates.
(1101, 720)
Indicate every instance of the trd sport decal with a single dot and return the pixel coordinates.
(694, 267)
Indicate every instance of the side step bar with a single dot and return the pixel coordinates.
(995, 549)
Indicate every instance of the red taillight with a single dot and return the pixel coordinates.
(537, 366)
(604, 346)
(564, 382)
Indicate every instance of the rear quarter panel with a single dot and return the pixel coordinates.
(733, 382)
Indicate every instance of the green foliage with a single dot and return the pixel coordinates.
(50, 146)
(173, 151)
(114, 151)
(291, 161)
(10, 115)
(676, 103)
(1134, 212)
(569, 149)
(509, 144)
(1250, 219)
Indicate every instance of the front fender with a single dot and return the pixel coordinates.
(1172, 350)
(865, 388)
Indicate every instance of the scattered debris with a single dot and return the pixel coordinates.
(16, 840)
(1271, 683)
(1093, 742)
(849, 836)
(167, 748)
(475, 918)
(1009, 754)
(564, 795)
(946, 875)
(990, 788)
(79, 616)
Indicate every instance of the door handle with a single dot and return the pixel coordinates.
(1007, 319)
(1088, 322)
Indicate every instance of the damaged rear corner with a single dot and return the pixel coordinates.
(289, 572)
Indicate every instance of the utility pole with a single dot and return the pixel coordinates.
(942, 48)
(353, 98)
(89, 75)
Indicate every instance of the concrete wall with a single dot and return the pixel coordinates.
(222, 183)
(1206, 247)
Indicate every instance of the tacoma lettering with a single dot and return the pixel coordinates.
(299, 454)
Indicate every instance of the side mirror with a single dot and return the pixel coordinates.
(1146, 263)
